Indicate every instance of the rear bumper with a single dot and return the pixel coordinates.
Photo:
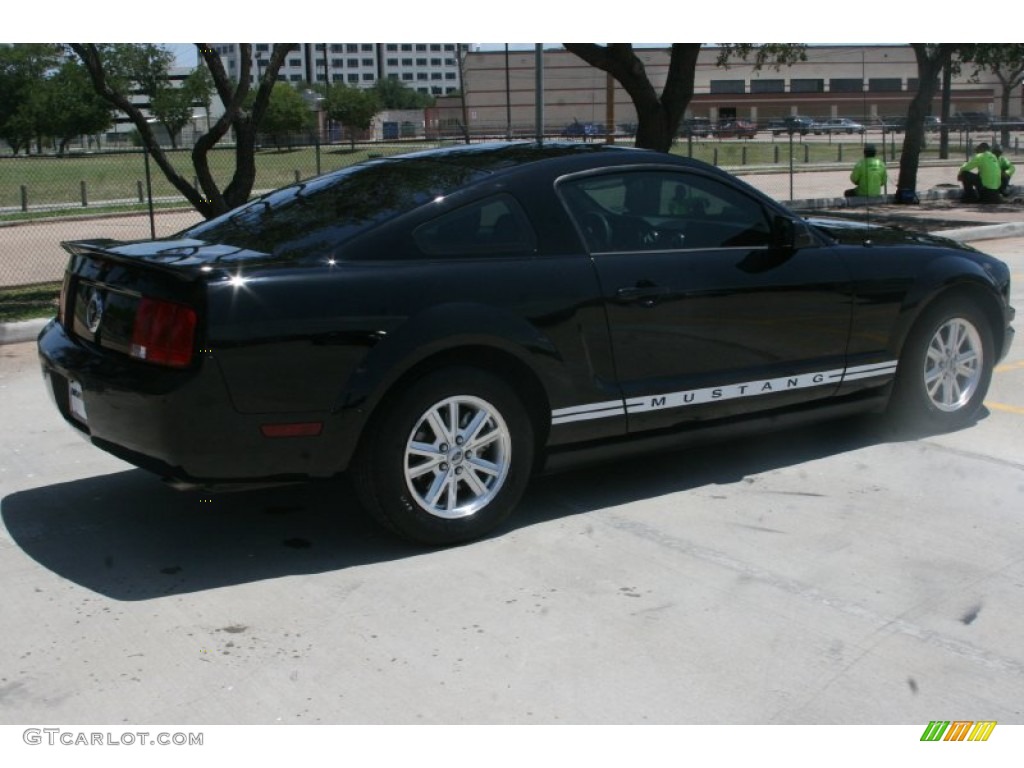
(179, 424)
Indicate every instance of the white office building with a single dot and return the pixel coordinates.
(431, 68)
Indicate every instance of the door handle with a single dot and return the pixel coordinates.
(648, 295)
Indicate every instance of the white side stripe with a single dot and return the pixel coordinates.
(726, 392)
(870, 371)
(591, 411)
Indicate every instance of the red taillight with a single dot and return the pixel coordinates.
(62, 301)
(163, 333)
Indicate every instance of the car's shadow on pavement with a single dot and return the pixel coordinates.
(130, 537)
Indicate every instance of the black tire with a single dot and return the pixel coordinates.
(438, 484)
(945, 369)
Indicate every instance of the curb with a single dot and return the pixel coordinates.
(21, 331)
(984, 232)
(832, 203)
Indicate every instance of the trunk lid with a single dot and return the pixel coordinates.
(140, 299)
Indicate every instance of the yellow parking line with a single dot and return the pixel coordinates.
(1003, 407)
(1010, 367)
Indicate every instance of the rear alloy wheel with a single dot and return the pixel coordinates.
(946, 367)
(457, 457)
(449, 459)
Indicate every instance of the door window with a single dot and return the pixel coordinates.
(645, 211)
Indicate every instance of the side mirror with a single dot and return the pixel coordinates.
(790, 234)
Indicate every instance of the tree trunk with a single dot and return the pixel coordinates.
(238, 190)
(1004, 110)
(211, 201)
(657, 116)
(930, 60)
(947, 87)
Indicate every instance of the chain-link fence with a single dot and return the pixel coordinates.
(46, 199)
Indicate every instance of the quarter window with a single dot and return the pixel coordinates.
(496, 226)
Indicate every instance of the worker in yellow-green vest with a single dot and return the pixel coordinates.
(1005, 169)
(981, 186)
(868, 174)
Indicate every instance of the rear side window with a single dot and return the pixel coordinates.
(493, 226)
(316, 216)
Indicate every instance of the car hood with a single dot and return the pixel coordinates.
(849, 232)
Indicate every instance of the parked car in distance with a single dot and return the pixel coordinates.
(579, 130)
(1012, 123)
(893, 123)
(898, 123)
(791, 124)
(696, 126)
(736, 129)
(970, 121)
(446, 324)
(837, 125)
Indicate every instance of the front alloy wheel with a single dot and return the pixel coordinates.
(953, 365)
(946, 367)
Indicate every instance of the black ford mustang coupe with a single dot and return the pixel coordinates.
(446, 323)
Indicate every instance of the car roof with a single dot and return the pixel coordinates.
(506, 157)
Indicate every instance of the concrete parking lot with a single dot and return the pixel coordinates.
(835, 574)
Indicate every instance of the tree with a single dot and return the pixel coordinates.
(200, 85)
(1006, 62)
(102, 63)
(931, 59)
(354, 108)
(394, 94)
(22, 68)
(658, 115)
(174, 106)
(68, 107)
(287, 113)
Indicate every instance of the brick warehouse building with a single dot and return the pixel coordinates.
(861, 82)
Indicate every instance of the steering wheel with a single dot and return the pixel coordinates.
(647, 236)
(636, 232)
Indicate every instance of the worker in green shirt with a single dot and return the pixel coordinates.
(1005, 169)
(981, 185)
(868, 174)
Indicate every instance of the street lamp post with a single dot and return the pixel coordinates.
(314, 102)
(539, 88)
(508, 99)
